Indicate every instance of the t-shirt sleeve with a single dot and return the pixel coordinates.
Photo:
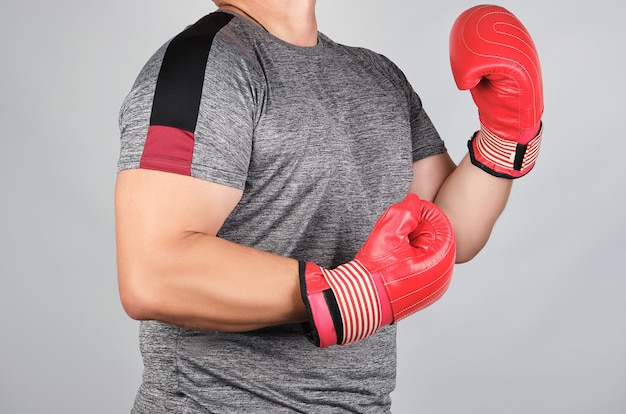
(192, 110)
(425, 139)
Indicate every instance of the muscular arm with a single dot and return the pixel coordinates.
(472, 199)
(173, 268)
(492, 55)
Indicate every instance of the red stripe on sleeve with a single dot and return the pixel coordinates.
(168, 149)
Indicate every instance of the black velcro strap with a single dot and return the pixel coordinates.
(335, 313)
(520, 151)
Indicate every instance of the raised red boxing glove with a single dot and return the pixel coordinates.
(404, 266)
(493, 55)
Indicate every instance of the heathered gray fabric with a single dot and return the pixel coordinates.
(321, 140)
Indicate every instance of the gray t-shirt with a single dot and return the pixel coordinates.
(321, 141)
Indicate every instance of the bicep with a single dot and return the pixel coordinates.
(429, 175)
(154, 206)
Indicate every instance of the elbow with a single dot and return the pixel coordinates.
(464, 257)
(136, 299)
(466, 250)
(134, 307)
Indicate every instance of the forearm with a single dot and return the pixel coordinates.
(207, 283)
(473, 200)
(501, 69)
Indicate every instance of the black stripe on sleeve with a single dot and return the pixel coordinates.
(181, 77)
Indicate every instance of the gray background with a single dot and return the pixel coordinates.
(536, 323)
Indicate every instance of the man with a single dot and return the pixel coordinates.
(257, 156)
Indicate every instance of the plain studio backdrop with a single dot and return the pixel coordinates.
(535, 324)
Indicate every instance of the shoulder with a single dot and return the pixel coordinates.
(371, 60)
(214, 49)
(218, 38)
(358, 52)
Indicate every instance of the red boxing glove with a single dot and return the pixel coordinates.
(404, 266)
(493, 55)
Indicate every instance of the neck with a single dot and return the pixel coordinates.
(290, 20)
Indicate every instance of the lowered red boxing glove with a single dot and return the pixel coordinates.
(404, 266)
(493, 55)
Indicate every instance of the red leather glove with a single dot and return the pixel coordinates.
(493, 55)
(404, 266)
